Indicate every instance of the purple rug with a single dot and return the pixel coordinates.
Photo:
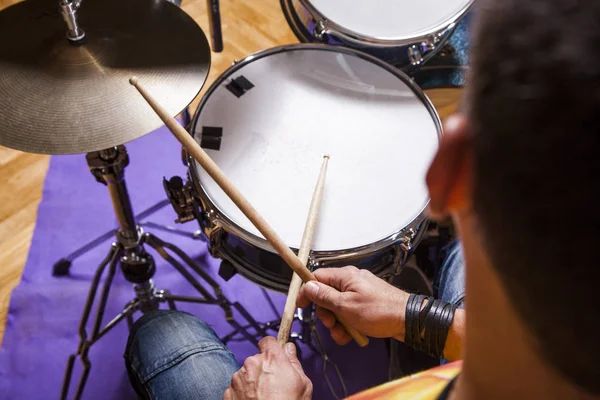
(44, 311)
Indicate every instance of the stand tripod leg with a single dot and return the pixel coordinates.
(169, 298)
(111, 258)
(160, 246)
(97, 324)
(270, 301)
(157, 243)
(62, 266)
(127, 312)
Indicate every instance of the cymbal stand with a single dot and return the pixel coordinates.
(63, 266)
(128, 252)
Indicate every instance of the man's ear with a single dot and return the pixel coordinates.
(449, 175)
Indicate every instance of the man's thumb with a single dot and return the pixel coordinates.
(322, 295)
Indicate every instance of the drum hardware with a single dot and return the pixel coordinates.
(137, 265)
(187, 208)
(69, 10)
(181, 199)
(214, 22)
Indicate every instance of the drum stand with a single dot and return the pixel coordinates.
(138, 267)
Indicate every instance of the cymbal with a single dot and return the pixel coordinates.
(59, 98)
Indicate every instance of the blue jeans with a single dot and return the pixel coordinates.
(450, 283)
(174, 355)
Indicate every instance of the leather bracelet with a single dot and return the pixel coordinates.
(416, 327)
(443, 336)
(413, 306)
(408, 322)
(421, 316)
(434, 327)
(439, 342)
(440, 329)
(433, 321)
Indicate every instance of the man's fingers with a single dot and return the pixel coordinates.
(268, 343)
(337, 278)
(236, 390)
(228, 394)
(326, 317)
(323, 295)
(339, 335)
(271, 350)
(302, 301)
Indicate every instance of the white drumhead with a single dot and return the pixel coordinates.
(305, 103)
(391, 19)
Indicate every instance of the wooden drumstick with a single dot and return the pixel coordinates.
(236, 196)
(307, 237)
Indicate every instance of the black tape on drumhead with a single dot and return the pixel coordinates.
(239, 86)
(211, 137)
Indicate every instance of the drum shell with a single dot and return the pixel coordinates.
(267, 269)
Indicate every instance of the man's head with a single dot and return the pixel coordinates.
(524, 163)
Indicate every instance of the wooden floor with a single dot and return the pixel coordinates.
(248, 26)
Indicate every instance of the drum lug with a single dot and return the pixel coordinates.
(320, 30)
(312, 264)
(215, 237)
(421, 52)
(407, 240)
(182, 198)
(401, 252)
(417, 53)
(404, 248)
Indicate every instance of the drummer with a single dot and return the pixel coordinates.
(518, 173)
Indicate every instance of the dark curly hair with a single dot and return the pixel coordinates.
(534, 105)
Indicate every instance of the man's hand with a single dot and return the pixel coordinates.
(367, 303)
(274, 374)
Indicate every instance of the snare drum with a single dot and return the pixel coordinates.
(268, 121)
(401, 32)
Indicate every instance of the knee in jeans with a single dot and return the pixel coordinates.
(159, 337)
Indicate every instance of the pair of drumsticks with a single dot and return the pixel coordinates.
(296, 262)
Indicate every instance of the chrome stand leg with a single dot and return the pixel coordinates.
(112, 259)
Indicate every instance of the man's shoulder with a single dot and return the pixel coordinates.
(425, 385)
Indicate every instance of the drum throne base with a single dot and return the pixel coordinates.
(137, 265)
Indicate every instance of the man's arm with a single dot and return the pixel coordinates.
(372, 306)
